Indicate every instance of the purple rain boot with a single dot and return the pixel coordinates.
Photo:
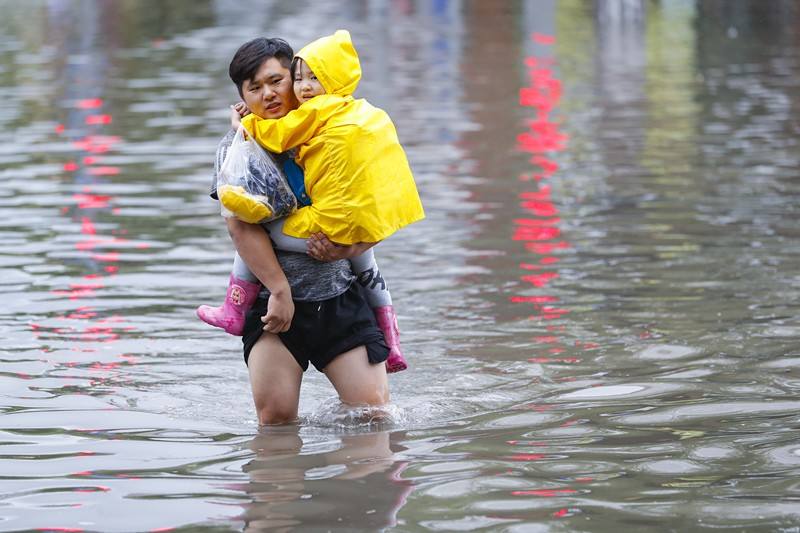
(387, 322)
(230, 316)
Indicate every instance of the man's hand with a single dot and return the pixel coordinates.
(238, 111)
(253, 244)
(280, 311)
(322, 249)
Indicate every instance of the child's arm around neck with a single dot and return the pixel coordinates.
(298, 126)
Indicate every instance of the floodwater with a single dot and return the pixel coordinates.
(602, 309)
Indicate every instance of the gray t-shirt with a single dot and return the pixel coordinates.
(309, 279)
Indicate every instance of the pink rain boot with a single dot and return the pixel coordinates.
(387, 322)
(230, 316)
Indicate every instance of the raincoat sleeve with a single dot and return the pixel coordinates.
(297, 127)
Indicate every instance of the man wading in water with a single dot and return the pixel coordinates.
(309, 311)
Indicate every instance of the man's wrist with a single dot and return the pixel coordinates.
(281, 290)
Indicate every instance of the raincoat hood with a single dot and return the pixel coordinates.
(334, 61)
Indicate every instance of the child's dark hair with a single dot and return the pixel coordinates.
(249, 57)
(293, 68)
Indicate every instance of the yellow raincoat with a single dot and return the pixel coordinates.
(356, 172)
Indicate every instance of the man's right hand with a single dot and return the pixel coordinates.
(280, 311)
(254, 246)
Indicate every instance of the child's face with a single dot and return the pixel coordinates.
(306, 84)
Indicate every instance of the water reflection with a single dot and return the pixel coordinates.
(81, 339)
(346, 480)
(539, 230)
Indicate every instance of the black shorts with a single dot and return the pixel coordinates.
(322, 330)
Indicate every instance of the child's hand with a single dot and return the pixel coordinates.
(238, 111)
(236, 119)
(242, 109)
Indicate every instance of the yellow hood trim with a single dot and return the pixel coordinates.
(334, 61)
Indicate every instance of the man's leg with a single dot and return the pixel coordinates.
(275, 378)
(356, 380)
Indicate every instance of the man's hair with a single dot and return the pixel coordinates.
(252, 54)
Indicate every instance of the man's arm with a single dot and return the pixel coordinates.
(254, 246)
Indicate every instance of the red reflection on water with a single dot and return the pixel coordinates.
(95, 144)
(543, 39)
(91, 328)
(110, 257)
(104, 171)
(98, 488)
(539, 229)
(545, 360)
(87, 226)
(98, 119)
(535, 233)
(533, 299)
(89, 244)
(586, 345)
(81, 313)
(545, 248)
(527, 457)
(89, 103)
(91, 201)
(540, 280)
(544, 493)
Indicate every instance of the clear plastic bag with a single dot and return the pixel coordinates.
(250, 186)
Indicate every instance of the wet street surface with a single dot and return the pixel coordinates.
(601, 311)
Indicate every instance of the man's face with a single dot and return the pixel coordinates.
(269, 94)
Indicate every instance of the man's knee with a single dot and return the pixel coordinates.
(276, 413)
(379, 396)
(275, 379)
(367, 394)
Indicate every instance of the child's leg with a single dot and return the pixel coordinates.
(380, 300)
(243, 289)
(369, 276)
(284, 242)
(241, 271)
